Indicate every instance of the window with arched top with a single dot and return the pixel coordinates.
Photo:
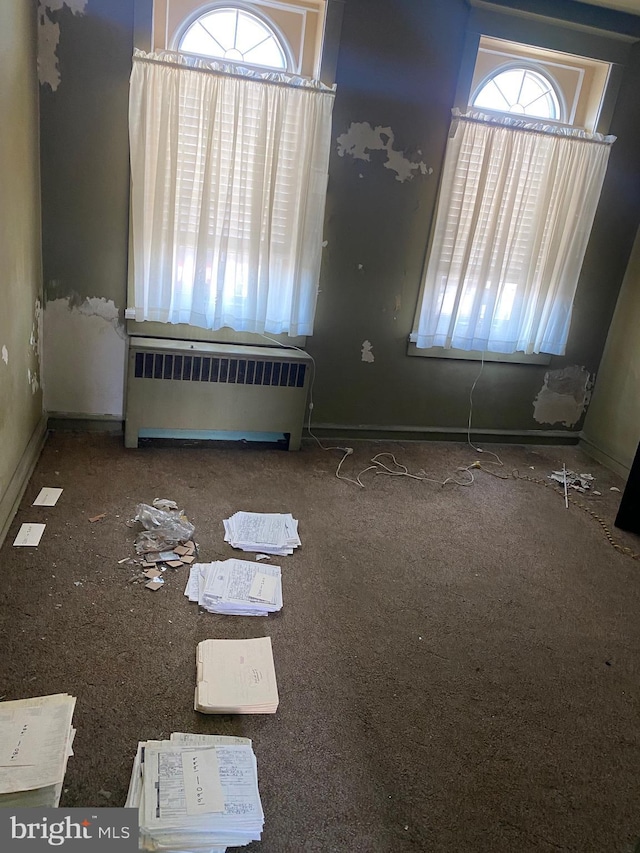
(229, 168)
(520, 185)
(235, 35)
(521, 91)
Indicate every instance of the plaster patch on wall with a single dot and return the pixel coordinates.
(49, 37)
(5, 355)
(361, 139)
(564, 396)
(84, 357)
(367, 354)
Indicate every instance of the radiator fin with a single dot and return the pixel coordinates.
(232, 371)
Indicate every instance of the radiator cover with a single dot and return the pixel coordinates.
(178, 386)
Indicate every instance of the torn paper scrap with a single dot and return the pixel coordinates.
(579, 482)
(152, 574)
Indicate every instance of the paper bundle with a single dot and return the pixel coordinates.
(236, 677)
(196, 793)
(236, 587)
(269, 532)
(36, 736)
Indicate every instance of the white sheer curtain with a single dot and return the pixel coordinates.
(229, 175)
(515, 210)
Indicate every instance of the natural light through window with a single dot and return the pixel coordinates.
(236, 36)
(521, 91)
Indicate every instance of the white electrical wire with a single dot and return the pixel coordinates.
(380, 467)
(347, 451)
(472, 446)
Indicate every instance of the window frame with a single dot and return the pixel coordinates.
(549, 34)
(253, 11)
(526, 66)
(143, 39)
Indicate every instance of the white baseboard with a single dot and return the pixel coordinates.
(11, 499)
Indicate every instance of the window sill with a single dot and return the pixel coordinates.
(184, 332)
(476, 355)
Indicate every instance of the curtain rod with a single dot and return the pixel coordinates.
(325, 90)
(603, 140)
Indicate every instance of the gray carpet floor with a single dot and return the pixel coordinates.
(458, 667)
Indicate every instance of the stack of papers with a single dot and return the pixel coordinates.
(36, 736)
(270, 532)
(236, 677)
(236, 587)
(196, 793)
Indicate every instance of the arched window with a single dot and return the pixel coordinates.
(235, 35)
(522, 91)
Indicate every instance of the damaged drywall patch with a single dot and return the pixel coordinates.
(84, 356)
(367, 354)
(564, 396)
(49, 37)
(361, 139)
(5, 355)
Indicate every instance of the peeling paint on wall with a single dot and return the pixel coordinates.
(49, 36)
(5, 355)
(106, 309)
(84, 357)
(361, 139)
(367, 354)
(36, 330)
(564, 396)
(32, 380)
(33, 372)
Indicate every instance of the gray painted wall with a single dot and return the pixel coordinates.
(612, 425)
(20, 260)
(397, 68)
(85, 202)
